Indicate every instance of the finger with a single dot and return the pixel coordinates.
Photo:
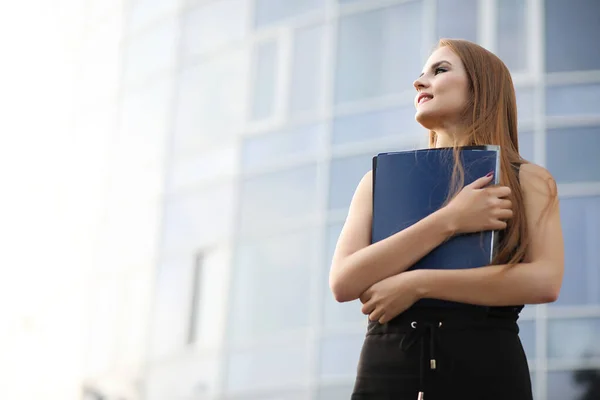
(498, 225)
(382, 320)
(505, 204)
(368, 308)
(504, 214)
(499, 191)
(481, 182)
(366, 296)
(376, 314)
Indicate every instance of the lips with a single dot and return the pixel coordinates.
(424, 97)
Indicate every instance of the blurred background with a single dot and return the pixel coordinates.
(179, 171)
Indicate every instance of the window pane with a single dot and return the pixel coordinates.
(572, 154)
(172, 306)
(335, 392)
(569, 49)
(339, 356)
(210, 296)
(211, 103)
(307, 69)
(457, 19)
(377, 125)
(145, 11)
(268, 198)
(573, 338)
(526, 145)
(214, 25)
(580, 217)
(183, 378)
(187, 172)
(199, 219)
(565, 385)
(527, 336)
(271, 285)
(276, 147)
(271, 11)
(525, 103)
(378, 52)
(580, 100)
(146, 137)
(512, 34)
(265, 80)
(151, 52)
(334, 313)
(271, 366)
(344, 176)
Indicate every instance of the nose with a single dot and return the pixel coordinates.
(420, 83)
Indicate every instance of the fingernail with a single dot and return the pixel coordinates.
(490, 174)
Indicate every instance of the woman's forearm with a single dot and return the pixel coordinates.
(390, 256)
(494, 285)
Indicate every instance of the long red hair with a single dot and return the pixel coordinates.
(491, 118)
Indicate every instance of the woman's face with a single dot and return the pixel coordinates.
(442, 91)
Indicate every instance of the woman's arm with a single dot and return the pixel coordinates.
(357, 264)
(538, 280)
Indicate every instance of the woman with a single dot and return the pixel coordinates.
(465, 96)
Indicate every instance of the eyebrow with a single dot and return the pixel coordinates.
(437, 64)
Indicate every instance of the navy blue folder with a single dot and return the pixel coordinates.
(410, 185)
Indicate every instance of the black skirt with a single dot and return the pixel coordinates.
(466, 354)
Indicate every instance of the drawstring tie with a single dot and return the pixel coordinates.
(418, 334)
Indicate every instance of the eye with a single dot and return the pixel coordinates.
(439, 70)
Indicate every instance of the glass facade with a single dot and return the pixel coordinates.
(271, 112)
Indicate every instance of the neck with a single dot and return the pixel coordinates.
(446, 138)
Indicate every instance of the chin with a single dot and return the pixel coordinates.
(427, 120)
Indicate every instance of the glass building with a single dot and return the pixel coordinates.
(260, 116)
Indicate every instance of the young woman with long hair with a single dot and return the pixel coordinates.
(465, 96)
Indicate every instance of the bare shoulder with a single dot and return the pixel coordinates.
(537, 181)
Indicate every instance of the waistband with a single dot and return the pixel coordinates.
(426, 324)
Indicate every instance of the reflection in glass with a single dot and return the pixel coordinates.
(270, 11)
(151, 52)
(146, 137)
(172, 306)
(145, 11)
(457, 19)
(345, 174)
(525, 103)
(580, 217)
(273, 366)
(265, 80)
(335, 392)
(183, 378)
(527, 336)
(573, 338)
(372, 53)
(269, 198)
(526, 145)
(376, 125)
(211, 102)
(576, 100)
(512, 34)
(276, 147)
(219, 163)
(569, 49)
(339, 356)
(572, 154)
(213, 25)
(199, 219)
(307, 69)
(564, 385)
(271, 290)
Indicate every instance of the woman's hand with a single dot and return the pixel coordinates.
(390, 297)
(477, 208)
